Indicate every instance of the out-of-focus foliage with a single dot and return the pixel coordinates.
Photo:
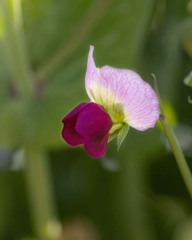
(134, 193)
(188, 80)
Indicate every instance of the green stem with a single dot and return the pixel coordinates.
(177, 151)
(43, 209)
(14, 46)
(181, 161)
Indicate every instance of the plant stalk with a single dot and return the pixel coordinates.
(14, 46)
(179, 156)
(176, 148)
(46, 224)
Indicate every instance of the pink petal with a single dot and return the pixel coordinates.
(93, 124)
(92, 77)
(111, 87)
(138, 99)
(69, 132)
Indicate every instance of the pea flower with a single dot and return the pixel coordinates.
(119, 98)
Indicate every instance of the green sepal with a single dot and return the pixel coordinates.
(122, 134)
(113, 135)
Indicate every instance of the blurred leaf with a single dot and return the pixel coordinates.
(170, 212)
(119, 30)
(14, 214)
(184, 230)
(170, 112)
(188, 79)
(186, 35)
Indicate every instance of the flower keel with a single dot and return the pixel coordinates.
(88, 124)
(69, 133)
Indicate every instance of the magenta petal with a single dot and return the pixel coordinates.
(96, 147)
(93, 124)
(69, 132)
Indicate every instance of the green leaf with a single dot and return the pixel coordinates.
(188, 79)
(122, 134)
(113, 135)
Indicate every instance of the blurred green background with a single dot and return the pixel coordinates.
(136, 193)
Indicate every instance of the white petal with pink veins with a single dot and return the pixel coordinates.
(123, 94)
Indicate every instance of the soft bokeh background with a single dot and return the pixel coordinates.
(136, 193)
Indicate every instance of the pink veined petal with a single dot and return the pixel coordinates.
(110, 86)
(91, 75)
(138, 99)
(92, 79)
(93, 124)
(69, 132)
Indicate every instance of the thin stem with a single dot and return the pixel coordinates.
(177, 151)
(14, 45)
(43, 212)
(181, 161)
(74, 41)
